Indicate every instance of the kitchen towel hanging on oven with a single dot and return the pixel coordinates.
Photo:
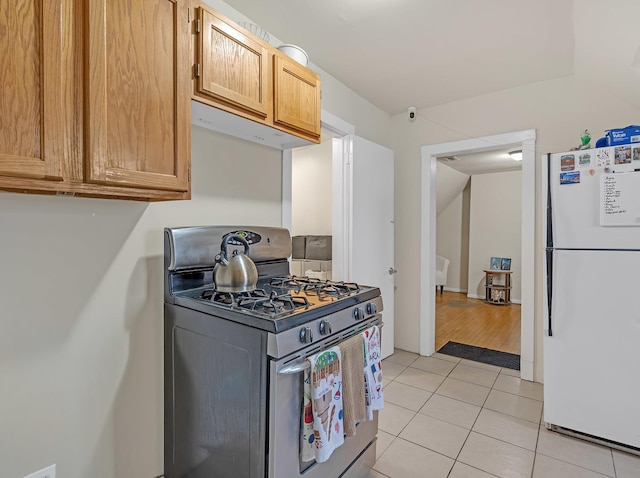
(353, 401)
(326, 400)
(307, 447)
(372, 371)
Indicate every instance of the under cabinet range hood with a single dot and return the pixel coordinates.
(233, 125)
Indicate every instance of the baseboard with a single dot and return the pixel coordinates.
(451, 289)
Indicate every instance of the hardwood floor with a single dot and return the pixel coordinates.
(474, 322)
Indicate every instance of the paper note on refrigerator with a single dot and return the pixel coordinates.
(620, 199)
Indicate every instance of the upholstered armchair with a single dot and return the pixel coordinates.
(442, 266)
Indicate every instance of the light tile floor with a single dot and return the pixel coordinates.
(447, 417)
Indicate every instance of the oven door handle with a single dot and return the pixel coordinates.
(294, 367)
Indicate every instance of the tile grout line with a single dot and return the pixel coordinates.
(539, 422)
(482, 407)
(469, 433)
(418, 412)
(613, 461)
(472, 425)
(579, 466)
(535, 453)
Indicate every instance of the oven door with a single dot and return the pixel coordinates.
(352, 459)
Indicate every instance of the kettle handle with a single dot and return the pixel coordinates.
(225, 242)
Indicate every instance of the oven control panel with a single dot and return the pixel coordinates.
(366, 311)
(315, 332)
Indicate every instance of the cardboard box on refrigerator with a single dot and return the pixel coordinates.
(618, 136)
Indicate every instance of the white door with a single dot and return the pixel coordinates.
(363, 221)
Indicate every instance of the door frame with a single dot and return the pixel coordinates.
(525, 140)
(339, 130)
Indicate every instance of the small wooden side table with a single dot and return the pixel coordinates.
(497, 285)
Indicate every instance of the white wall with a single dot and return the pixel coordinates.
(81, 313)
(312, 190)
(449, 184)
(495, 227)
(558, 110)
(452, 240)
(478, 224)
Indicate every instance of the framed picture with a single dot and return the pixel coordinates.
(505, 263)
(495, 263)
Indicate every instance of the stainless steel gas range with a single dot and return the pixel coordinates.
(233, 361)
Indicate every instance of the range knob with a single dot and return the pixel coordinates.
(324, 327)
(358, 313)
(306, 335)
(371, 308)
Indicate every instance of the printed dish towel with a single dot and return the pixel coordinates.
(353, 401)
(307, 448)
(372, 371)
(326, 402)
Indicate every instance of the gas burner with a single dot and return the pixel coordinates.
(322, 288)
(232, 298)
(319, 287)
(336, 289)
(296, 283)
(257, 300)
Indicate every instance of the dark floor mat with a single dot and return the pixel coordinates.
(479, 354)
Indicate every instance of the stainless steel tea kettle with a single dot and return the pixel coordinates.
(235, 274)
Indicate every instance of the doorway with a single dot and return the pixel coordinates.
(524, 140)
(482, 221)
(362, 179)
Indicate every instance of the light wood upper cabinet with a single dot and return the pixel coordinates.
(296, 96)
(238, 72)
(231, 67)
(138, 110)
(95, 98)
(37, 101)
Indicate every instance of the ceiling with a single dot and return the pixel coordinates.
(424, 53)
(439, 51)
(480, 163)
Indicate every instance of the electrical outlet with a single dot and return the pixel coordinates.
(48, 472)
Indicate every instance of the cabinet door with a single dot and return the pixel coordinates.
(38, 120)
(297, 96)
(138, 112)
(231, 67)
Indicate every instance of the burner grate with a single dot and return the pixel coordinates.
(275, 303)
(231, 298)
(258, 301)
(319, 287)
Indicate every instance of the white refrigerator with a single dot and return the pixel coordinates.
(592, 298)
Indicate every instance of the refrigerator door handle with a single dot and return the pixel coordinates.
(549, 204)
(549, 249)
(549, 252)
